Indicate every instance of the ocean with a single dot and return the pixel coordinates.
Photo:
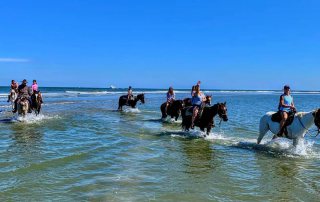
(80, 148)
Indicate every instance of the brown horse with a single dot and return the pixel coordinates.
(37, 101)
(123, 100)
(206, 120)
(173, 110)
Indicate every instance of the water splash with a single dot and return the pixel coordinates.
(131, 110)
(32, 118)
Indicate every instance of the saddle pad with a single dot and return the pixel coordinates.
(276, 117)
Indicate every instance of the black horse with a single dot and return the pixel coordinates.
(206, 120)
(36, 100)
(173, 110)
(123, 100)
(187, 101)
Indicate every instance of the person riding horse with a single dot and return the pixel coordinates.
(286, 107)
(197, 102)
(130, 94)
(170, 98)
(13, 90)
(23, 92)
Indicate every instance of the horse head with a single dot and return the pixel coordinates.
(208, 99)
(316, 115)
(141, 97)
(179, 104)
(222, 111)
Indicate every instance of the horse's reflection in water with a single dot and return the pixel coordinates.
(200, 157)
(27, 139)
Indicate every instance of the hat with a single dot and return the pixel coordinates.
(286, 87)
(24, 81)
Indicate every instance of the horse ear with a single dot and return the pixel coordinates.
(225, 103)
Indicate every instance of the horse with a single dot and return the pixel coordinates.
(188, 101)
(23, 106)
(37, 101)
(206, 120)
(12, 97)
(174, 109)
(123, 100)
(301, 123)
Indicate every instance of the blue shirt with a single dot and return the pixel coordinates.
(287, 99)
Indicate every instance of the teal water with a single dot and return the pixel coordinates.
(80, 148)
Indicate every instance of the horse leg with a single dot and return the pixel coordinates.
(208, 130)
(297, 141)
(263, 128)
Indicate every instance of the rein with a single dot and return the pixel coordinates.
(308, 131)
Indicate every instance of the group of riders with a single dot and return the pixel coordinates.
(32, 94)
(286, 105)
(24, 93)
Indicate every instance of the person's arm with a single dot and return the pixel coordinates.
(292, 104)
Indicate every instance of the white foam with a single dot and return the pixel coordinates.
(32, 118)
(131, 110)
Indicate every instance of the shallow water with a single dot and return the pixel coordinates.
(80, 148)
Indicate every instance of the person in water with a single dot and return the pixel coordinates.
(197, 100)
(170, 97)
(13, 89)
(286, 105)
(23, 91)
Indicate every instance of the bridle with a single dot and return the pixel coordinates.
(317, 121)
(221, 113)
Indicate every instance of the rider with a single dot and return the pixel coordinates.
(34, 87)
(170, 97)
(130, 94)
(286, 106)
(197, 100)
(14, 88)
(193, 88)
(23, 91)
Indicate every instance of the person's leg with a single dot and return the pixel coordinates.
(167, 105)
(284, 117)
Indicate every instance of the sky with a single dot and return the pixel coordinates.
(227, 44)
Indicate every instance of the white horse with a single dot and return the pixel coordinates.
(12, 97)
(23, 106)
(296, 131)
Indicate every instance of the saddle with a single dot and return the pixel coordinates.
(276, 117)
(189, 111)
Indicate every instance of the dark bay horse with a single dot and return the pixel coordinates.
(206, 120)
(37, 101)
(123, 100)
(173, 110)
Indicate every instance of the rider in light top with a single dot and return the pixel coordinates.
(197, 100)
(286, 106)
(14, 89)
(170, 97)
(34, 87)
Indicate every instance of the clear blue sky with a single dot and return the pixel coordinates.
(226, 44)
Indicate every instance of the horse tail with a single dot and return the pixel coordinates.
(263, 127)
